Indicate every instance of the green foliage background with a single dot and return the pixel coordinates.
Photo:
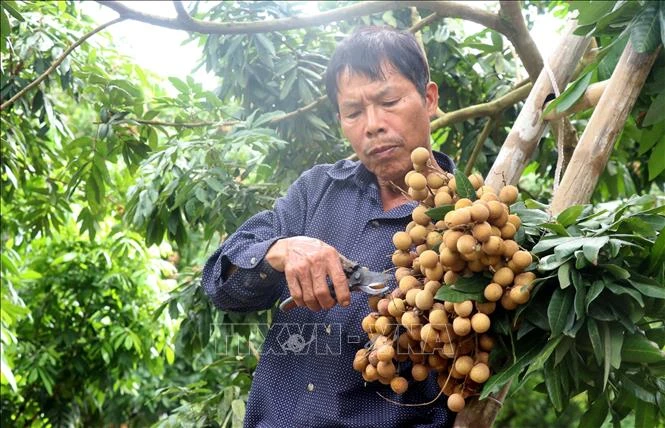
(114, 193)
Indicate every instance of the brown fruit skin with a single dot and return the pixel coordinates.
(435, 180)
(410, 320)
(515, 220)
(438, 318)
(402, 259)
(432, 287)
(463, 309)
(420, 156)
(429, 259)
(409, 282)
(480, 322)
(480, 373)
(482, 231)
(419, 372)
(386, 369)
(464, 364)
(508, 231)
(450, 277)
(520, 295)
(417, 181)
(450, 238)
(384, 325)
(466, 244)
(479, 213)
(486, 308)
(424, 300)
(461, 326)
(476, 181)
(433, 239)
(402, 241)
(508, 194)
(399, 385)
(369, 324)
(456, 403)
(385, 353)
(462, 203)
(442, 198)
(493, 246)
(504, 277)
(396, 307)
(510, 247)
(507, 302)
(486, 342)
(522, 259)
(419, 216)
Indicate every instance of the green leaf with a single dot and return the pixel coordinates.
(619, 289)
(597, 413)
(592, 247)
(12, 8)
(596, 341)
(656, 163)
(580, 294)
(570, 96)
(656, 111)
(544, 355)
(552, 375)
(179, 85)
(563, 274)
(238, 407)
(559, 311)
(464, 187)
(637, 348)
(549, 242)
(616, 342)
(647, 286)
(495, 382)
(657, 256)
(6, 375)
(570, 215)
(644, 30)
(439, 213)
(661, 14)
(590, 12)
(607, 351)
(645, 415)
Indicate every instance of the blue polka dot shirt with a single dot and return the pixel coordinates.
(305, 376)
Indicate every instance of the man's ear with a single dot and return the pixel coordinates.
(431, 98)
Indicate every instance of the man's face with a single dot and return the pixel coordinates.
(384, 120)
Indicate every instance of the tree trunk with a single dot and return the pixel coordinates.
(529, 125)
(593, 151)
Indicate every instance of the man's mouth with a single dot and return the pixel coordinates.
(382, 149)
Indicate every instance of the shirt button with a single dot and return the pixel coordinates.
(375, 223)
(253, 261)
(263, 275)
(310, 387)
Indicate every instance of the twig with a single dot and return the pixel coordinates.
(56, 63)
(423, 22)
(486, 109)
(308, 107)
(479, 144)
(179, 124)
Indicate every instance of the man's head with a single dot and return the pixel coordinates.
(379, 82)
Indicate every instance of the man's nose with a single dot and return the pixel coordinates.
(375, 125)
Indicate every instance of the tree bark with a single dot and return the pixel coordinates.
(591, 155)
(529, 126)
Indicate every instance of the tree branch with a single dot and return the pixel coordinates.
(486, 109)
(183, 16)
(56, 63)
(179, 124)
(479, 144)
(308, 107)
(423, 22)
(518, 34)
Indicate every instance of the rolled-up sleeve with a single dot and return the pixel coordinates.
(255, 285)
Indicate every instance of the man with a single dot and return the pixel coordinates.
(379, 82)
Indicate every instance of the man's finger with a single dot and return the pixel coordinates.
(340, 282)
(307, 287)
(294, 287)
(321, 290)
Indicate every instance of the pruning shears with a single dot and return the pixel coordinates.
(360, 279)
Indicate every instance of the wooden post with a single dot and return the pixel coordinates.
(529, 125)
(593, 151)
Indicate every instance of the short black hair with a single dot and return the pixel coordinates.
(366, 50)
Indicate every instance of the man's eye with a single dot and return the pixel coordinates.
(352, 115)
(390, 103)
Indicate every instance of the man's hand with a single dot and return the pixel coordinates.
(307, 262)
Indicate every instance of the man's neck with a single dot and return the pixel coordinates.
(393, 194)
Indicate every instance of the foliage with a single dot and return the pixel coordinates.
(90, 350)
(595, 322)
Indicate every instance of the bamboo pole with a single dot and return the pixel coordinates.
(529, 125)
(593, 151)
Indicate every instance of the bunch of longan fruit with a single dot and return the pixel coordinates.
(451, 338)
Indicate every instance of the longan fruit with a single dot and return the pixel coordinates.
(507, 302)
(448, 257)
(359, 364)
(476, 181)
(502, 219)
(370, 374)
(508, 231)
(417, 181)
(479, 213)
(420, 156)
(409, 282)
(463, 309)
(456, 403)
(493, 246)
(424, 300)
(436, 362)
(466, 244)
(385, 353)
(399, 385)
(382, 306)
(442, 198)
(419, 215)
(482, 357)
(448, 350)
(493, 292)
(525, 278)
(480, 373)
(402, 258)
(452, 184)
(368, 324)
(450, 277)
(476, 265)
(411, 320)
(463, 215)
(433, 239)
(515, 220)
(402, 241)
(438, 318)
(432, 287)
(386, 369)
(464, 364)
(435, 180)
(508, 194)
(418, 195)
(428, 334)
(396, 307)
(450, 238)
(411, 296)
(486, 342)
(496, 231)
(463, 203)
(480, 322)
(429, 259)
(482, 231)
(495, 209)
(522, 259)
(418, 234)
(455, 374)
(510, 247)
(520, 295)
(503, 276)
(419, 372)
(446, 385)
(486, 308)
(461, 326)
(449, 307)
(435, 273)
(384, 325)
(486, 197)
